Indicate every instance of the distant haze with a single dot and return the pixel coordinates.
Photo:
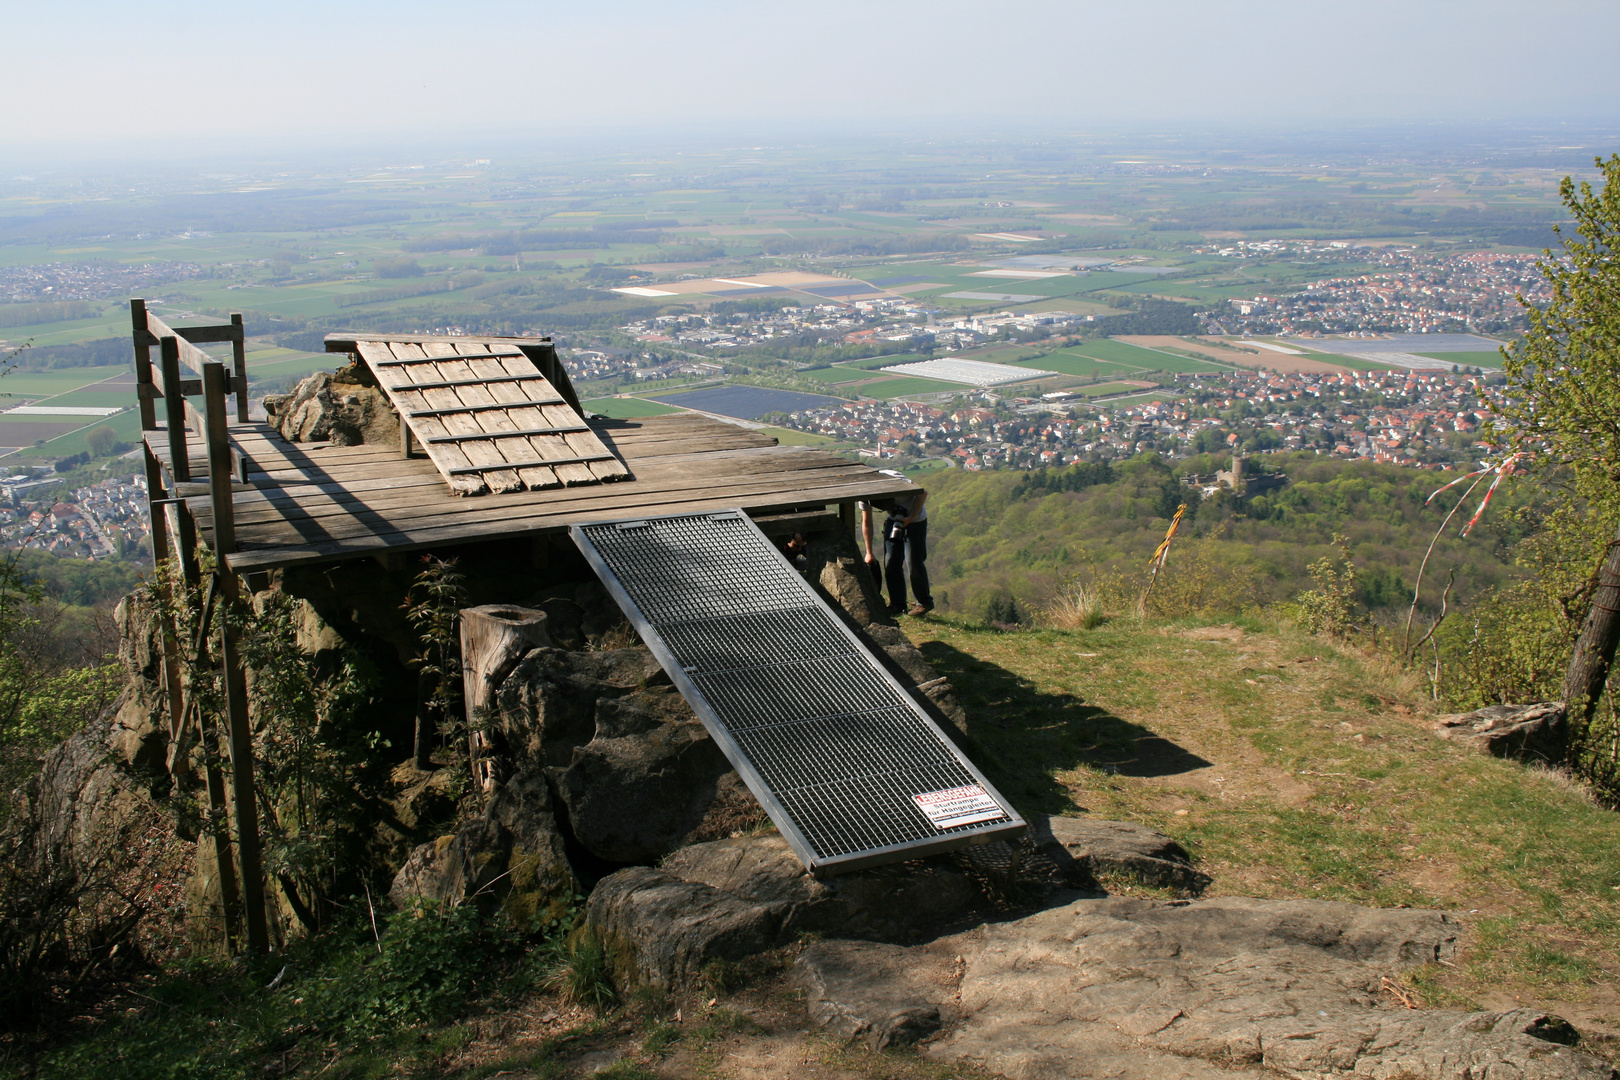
(93, 71)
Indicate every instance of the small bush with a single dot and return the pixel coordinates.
(1002, 610)
(1330, 607)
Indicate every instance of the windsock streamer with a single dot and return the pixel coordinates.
(1502, 470)
(1163, 551)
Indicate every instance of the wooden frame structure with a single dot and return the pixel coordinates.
(263, 504)
(241, 876)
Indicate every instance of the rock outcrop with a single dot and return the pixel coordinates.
(1184, 989)
(1099, 849)
(343, 407)
(1536, 732)
(514, 856)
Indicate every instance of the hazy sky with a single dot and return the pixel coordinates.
(81, 71)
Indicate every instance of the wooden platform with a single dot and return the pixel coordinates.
(317, 503)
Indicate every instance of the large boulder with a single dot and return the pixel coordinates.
(733, 898)
(546, 708)
(344, 407)
(514, 857)
(1536, 732)
(646, 779)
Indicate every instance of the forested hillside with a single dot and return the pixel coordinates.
(995, 534)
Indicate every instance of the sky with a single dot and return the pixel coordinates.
(82, 72)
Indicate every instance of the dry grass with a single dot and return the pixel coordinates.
(1293, 768)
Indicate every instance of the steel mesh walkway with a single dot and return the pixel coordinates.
(848, 766)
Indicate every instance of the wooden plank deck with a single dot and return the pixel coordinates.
(317, 503)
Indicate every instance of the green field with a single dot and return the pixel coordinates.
(1467, 359)
(1081, 367)
(59, 381)
(1104, 389)
(789, 437)
(835, 374)
(627, 408)
(907, 385)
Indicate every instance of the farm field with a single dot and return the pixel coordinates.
(909, 385)
(835, 374)
(1068, 362)
(745, 402)
(789, 437)
(1468, 359)
(627, 408)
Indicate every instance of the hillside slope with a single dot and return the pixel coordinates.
(1290, 768)
(1025, 533)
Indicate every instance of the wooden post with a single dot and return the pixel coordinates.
(171, 645)
(493, 639)
(404, 437)
(239, 726)
(175, 409)
(187, 543)
(220, 472)
(143, 364)
(239, 358)
(240, 743)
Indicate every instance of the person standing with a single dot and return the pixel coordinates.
(905, 541)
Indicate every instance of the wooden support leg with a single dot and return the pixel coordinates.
(239, 383)
(229, 893)
(425, 728)
(239, 740)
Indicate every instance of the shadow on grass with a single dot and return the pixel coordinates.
(1027, 735)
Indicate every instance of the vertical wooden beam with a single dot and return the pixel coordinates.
(220, 472)
(171, 645)
(405, 440)
(239, 359)
(175, 409)
(143, 364)
(240, 742)
(185, 534)
(239, 727)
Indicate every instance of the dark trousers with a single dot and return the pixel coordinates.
(911, 543)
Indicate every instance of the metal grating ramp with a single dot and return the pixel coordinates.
(849, 767)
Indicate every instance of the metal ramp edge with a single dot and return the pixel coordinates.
(852, 771)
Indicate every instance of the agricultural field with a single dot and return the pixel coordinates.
(627, 408)
(908, 386)
(1468, 359)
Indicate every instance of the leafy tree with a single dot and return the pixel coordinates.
(1565, 378)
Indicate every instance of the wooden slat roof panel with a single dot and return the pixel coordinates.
(487, 417)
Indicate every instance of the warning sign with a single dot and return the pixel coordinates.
(958, 806)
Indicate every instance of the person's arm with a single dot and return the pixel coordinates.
(916, 507)
(866, 530)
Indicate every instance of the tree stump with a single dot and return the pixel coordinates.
(494, 638)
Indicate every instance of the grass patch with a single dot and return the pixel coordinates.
(904, 385)
(628, 408)
(1293, 769)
